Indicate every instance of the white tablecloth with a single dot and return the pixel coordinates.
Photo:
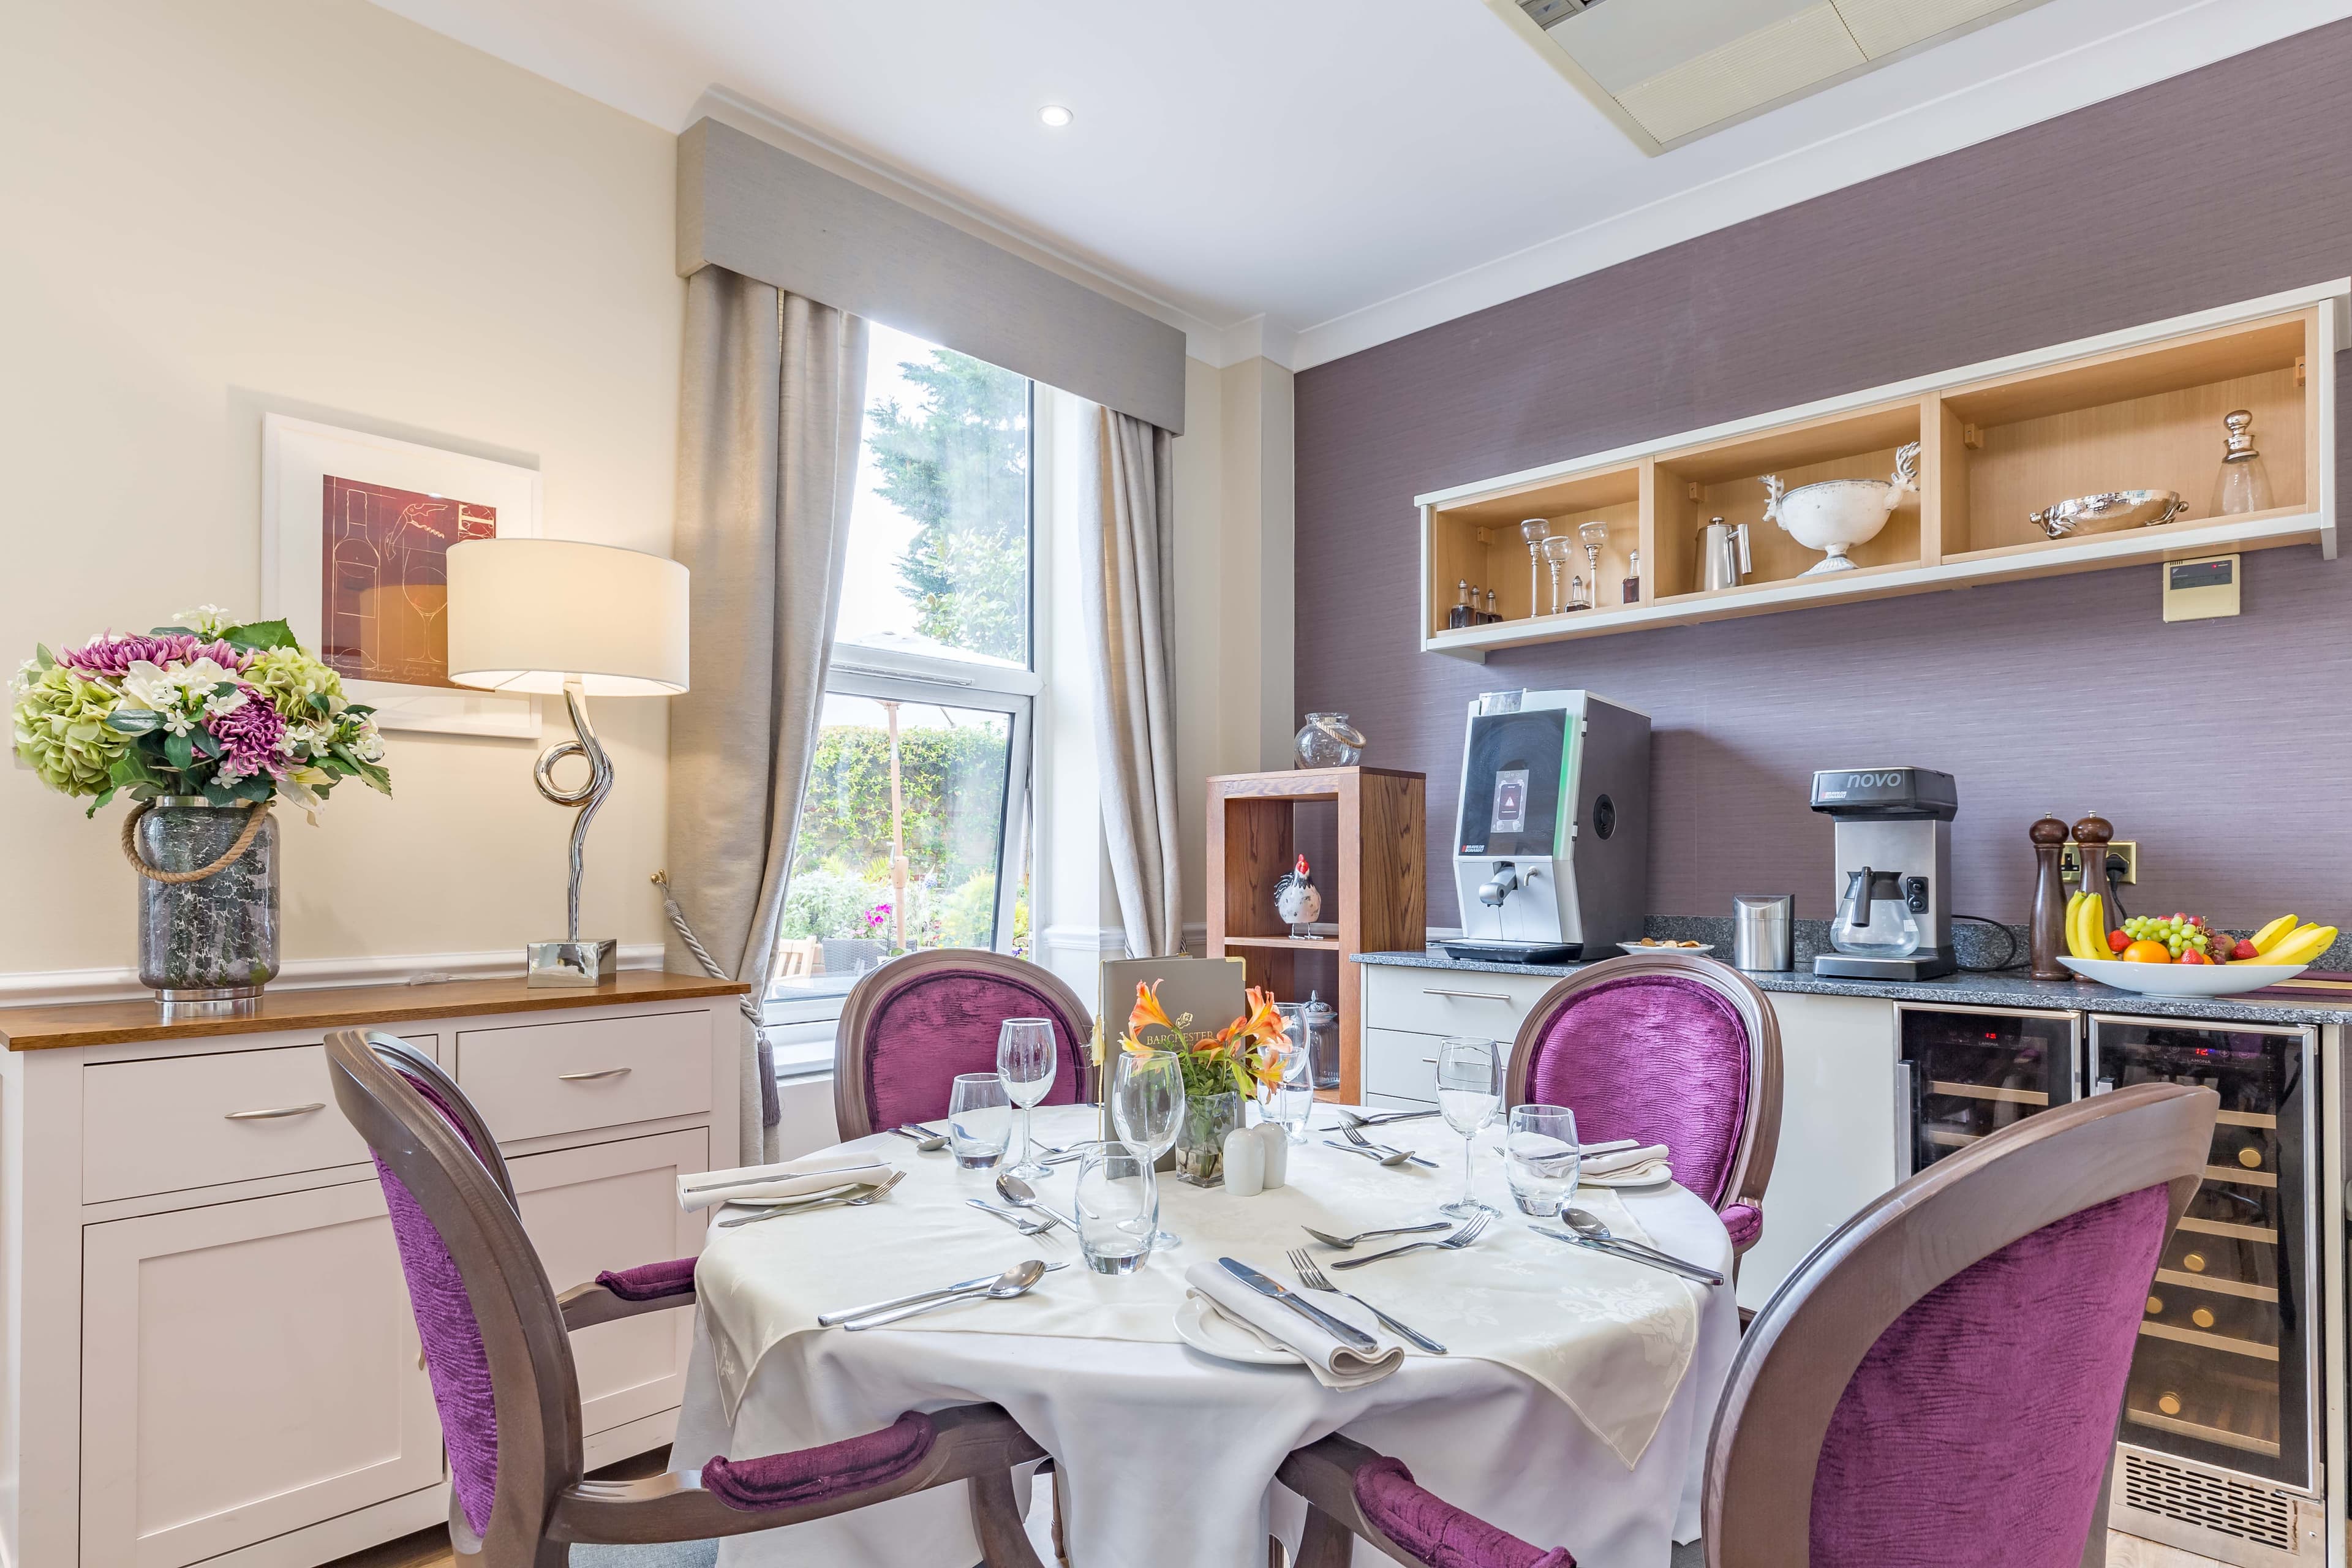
(1168, 1454)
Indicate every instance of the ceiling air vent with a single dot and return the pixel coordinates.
(1668, 71)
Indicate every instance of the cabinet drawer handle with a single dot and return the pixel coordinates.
(591, 1076)
(274, 1114)
(1431, 1060)
(1467, 995)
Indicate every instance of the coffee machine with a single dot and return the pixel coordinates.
(1894, 871)
(1551, 845)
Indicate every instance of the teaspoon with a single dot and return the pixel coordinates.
(1014, 1281)
(1592, 1227)
(925, 1139)
(1022, 1195)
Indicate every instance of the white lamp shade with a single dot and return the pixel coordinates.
(527, 615)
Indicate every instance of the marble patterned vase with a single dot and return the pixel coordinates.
(212, 943)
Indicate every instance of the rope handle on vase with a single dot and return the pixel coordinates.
(257, 813)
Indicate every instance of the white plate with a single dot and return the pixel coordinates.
(2183, 979)
(1666, 947)
(1214, 1334)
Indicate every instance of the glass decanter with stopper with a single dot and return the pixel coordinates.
(2244, 485)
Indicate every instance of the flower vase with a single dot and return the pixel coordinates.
(209, 944)
(1201, 1137)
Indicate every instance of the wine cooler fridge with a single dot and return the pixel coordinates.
(2220, 1448)
(1967, 1072)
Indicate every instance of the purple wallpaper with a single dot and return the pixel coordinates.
(2220, 745)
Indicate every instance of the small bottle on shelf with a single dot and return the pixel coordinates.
(2244, 485)
(1633, 587)
(1493, 613)
(1459, 616)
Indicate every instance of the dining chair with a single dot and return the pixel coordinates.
(1666, 1048)
(1939, 1385)
(909, 1028)
(498, 1352)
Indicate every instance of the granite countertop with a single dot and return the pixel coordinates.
(2001, 988)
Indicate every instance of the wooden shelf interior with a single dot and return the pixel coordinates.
(2148, 418)
(1480, 542)
(1727, 480)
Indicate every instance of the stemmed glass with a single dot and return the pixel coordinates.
(1025, 1050)
(1595, 534)
(1291, 1101)
(1147, 1106)
(1535, 531)
(1469, 1089)
(1557, 549)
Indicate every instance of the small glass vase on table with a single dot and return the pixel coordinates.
(1469, 1089)
(1200, 1141)
(1025, 1053)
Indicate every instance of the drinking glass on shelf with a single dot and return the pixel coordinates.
(1469, 1089)
(1595, 535)
(1541, 1157)
(1147, 1106)
(1292, 1100)
(1557, 549)
(1025, 1050)
(980, 1120)
(1116, 1207)
(1535, 531)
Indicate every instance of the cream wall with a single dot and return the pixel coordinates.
(312, 205)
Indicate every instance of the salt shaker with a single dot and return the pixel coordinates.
(1274, 1138)
(1244, 1162)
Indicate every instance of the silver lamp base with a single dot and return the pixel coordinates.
(589, 963)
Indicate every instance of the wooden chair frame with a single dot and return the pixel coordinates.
(1760, 1134)
(852, 1116)
(543, 1503)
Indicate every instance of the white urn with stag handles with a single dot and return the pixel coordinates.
(1835, 515)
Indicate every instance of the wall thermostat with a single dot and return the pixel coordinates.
(2200, 590)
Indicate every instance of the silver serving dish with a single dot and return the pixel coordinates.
(2110, 512)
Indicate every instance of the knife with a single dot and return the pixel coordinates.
(1346, 1334)
(1690, 1271)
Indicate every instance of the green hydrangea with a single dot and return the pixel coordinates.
(61, 731)
(292, 678)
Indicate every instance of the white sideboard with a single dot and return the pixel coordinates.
(209, 1348)
(1837, 1091)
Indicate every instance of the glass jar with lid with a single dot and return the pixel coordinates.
(1328, 741)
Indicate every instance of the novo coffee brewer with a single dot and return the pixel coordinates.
(1552, 843)
(1894, 871)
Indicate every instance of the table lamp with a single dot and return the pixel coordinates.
(544, 616)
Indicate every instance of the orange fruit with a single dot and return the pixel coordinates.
(2148, 952)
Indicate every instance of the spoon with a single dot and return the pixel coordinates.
(1590, 1227)
(1394, 1157)
(857, 1203)
(1014, 1281)
(1022, 1195)
(925, 1140)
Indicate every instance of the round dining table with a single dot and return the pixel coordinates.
(1574, 1408)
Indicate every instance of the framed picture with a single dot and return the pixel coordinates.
(355, 535)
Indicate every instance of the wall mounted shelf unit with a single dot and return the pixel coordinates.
(2136, 409)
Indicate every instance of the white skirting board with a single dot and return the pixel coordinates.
(39, 987)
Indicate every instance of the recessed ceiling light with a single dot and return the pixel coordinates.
(1053, 116)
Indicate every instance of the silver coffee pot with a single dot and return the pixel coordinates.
(1723, 559)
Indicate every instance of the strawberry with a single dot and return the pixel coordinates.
(2118, 941)
(2191, 955)
(2244, 951)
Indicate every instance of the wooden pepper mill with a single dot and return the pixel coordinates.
(2049, 929)
(2091, 838)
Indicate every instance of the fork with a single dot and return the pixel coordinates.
(857, 1203)
(1041, 1229)
(1345, 1242)
(1314, 1279)
(1355, 1135)
(1470, 1232)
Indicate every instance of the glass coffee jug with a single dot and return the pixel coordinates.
(1873, 918)
(1320, 1022)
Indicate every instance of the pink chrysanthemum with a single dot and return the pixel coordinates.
(111, 657)
(250, 733)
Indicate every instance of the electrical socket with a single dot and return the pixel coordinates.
(2070, 858)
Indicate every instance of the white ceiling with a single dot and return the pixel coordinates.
(1308, 179)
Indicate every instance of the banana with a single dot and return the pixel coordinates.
(2085, 936)
(2073, 912)
(2302, 946)
(2271, 935)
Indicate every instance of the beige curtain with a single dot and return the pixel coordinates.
(768, 429)
(1128, 555)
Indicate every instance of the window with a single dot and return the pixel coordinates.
(914, 830)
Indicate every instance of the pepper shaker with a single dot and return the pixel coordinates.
(2049, 933)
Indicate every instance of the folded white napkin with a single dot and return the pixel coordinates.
(1630, 1167)
(756, 1183)
(1270, 1322)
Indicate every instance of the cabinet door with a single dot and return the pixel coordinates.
(1838, 1128)
(612, 1205)
(247, 1368)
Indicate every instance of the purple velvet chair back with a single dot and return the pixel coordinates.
(495, 1345)
(1939, 1385)
(1669, 1048)
(911, 1025)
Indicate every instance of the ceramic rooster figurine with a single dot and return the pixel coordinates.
(1298, 901)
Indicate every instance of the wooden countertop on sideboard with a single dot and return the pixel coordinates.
(339, 1007)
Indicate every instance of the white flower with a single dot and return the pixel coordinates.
(151, 686)
(229, 772)
(296, 789)
(208, 620)
(368, 747)
(217, 704)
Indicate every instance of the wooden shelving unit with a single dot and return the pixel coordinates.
(1374, 894)
(2139, 410)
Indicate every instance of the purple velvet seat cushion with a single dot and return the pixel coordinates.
(944, 1022)
(650, 1281)
(1657, 1058)
(1940, 1454)
(818, 1475)
(454, 1356)
(1437, 1533)
(1745, 1222)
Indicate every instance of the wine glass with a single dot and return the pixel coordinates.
(1557, 549)
(1291, 1101)
(980, 1120)
(1541, 1158)
(1595, 535)
(1535, 531)
(1469, 1087)
(1025, 1050)
(1147, 1106)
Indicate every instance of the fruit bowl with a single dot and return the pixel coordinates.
(2182, 979)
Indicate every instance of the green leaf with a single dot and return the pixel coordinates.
(171, 631)
(219, 794)
(133, 720)
(179, 751)
(358, 709)
(43, 657)
(260, 786)
(318, 701)
(257, 635)
(103, 796)
(206, 743)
